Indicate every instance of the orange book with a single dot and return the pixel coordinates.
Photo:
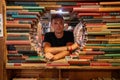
(78, 9)
(91, 57)
(58, 64)
(17, 25)
(109, 9)
(110, 3)
(100, 64)
(18, 42)
(87, 3)
(95, 52)
(12, 52)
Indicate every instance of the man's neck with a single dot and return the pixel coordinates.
(59, 35)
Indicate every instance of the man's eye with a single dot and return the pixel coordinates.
(55, 23)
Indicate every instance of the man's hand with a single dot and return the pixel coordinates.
(49, 56)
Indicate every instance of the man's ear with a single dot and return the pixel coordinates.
(51, 29)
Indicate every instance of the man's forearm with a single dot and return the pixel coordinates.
(55, 49)
(61, 55)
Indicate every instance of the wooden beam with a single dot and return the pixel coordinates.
(2, 42)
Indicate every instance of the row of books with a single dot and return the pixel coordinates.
(22, 30)
(103, 24)
(103, 27)
(99, 78)
(39, 79)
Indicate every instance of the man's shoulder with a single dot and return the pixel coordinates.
(49, 34)
(68, 32)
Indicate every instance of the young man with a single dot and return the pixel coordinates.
(59, 43)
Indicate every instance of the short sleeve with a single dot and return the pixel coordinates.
(69, 36)
(46, 38)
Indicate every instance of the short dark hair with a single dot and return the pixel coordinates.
(56, 16)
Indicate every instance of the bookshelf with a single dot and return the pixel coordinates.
(41, 71)
(2, 41)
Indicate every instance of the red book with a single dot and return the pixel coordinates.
(87, 3)
(58, 64)
(95, 24)
(95, 52)
(91, 57)
(14, 64)
(89, 14)
(79, 63)
(69, 8)
(99, 64)
(18, 42)
(12, 52)
(78, 9)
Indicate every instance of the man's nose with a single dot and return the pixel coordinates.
(58, 25)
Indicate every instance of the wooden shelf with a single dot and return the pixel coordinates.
(44, 66)
(41, 69)
(64, 72)
(56, 0)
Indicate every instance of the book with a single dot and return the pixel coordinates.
(100, 64)
(108, 60)
(18, 42)
(17, 25)
(58, 64)
(24, 79)
(28, 53)
(110, 3)
(36, 59)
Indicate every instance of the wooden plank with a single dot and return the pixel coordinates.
(1, 51)
(55, 0)
(1, 58)
(2, 43)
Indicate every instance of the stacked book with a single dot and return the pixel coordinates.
(104, 78)
(103, 25)
(22, 26)
(24, 79)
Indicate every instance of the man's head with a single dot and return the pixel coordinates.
(57, 23)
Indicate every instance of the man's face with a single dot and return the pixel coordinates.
(58, 25)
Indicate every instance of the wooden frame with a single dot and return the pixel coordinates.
(71, 72)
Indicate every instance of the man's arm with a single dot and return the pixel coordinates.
(60, 55)
(54, 50)
(55, 53)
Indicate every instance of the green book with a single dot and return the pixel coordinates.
(33, 8)
(17, 38)
(100, 33)
(113, 24)
(66, 3)
(112, 55)
(24, 16)
(115, 64)
(110, 49)
(107, 45)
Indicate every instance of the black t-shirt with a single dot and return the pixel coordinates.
(55, 42)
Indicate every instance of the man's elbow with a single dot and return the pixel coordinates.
(46, 49)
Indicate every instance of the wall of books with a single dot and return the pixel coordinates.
(23, 22)
(24, 32)
(103, 27)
